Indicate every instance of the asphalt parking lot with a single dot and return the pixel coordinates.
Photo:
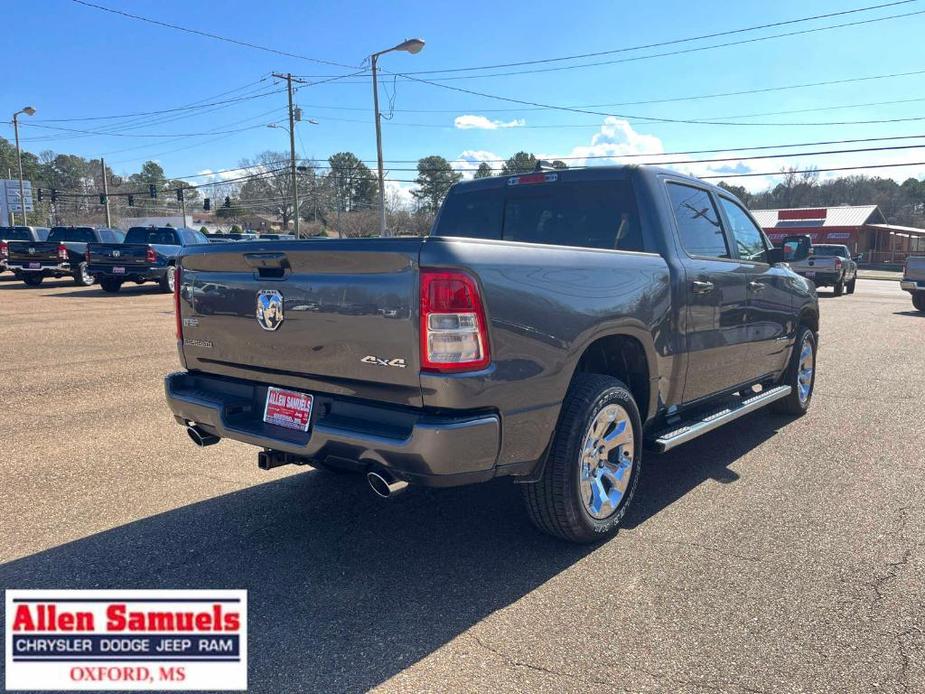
(768, 556)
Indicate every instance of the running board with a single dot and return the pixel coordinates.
(691, 429)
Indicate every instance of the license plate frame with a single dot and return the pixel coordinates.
(290, 409)
(34, 266)
(118, 270)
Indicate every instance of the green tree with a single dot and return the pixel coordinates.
(522, 162)
(352, 184)
(435, 176)
(484, 171)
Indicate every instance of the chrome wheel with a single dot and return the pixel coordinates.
(606, 463)
(805, 370)
(171, 278)
(86, 278)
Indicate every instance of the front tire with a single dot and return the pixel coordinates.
(166, 283)
(82, 278)
(593, 468)
(918, 300)
(107, 284)
(32, 280)
(800, 375)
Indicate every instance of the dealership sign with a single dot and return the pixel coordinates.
(126, 640)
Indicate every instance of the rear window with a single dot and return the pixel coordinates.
(832, 251)
(78, 234)
(15, 234)
(167, 237)
(590, 214)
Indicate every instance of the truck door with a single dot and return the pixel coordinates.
(770, 311)
(714, 295)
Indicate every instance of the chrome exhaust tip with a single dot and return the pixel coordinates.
(384, 485)
(200, 437)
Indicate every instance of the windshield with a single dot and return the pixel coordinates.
(15, 234)
(164, 236)
(832, 251)
(78, 234)
(591, 214)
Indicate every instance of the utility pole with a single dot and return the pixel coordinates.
(106, 193)
(295, 181)
(183, 207)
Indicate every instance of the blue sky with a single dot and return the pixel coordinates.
(72, 61)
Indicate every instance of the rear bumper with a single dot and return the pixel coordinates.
(821, 278)
(417, 446)
(49, 270)
(912, 286)
(131, 274)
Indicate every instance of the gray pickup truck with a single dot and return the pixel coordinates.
(551, 326)
(18, 233)
(913, 280)
(826, 265)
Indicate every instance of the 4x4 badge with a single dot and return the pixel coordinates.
(269, 309)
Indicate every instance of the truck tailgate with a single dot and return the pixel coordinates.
(44, 252)
(118, 253)
(347, 324)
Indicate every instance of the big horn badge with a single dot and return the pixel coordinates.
(269, 309)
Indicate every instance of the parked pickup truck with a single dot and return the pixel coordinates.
(20, 233)
(149, 254)
(827, 265)
(913, 280)
(60, 255)
(551, 326)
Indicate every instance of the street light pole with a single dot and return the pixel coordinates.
(408, 46)
(28, 110)
(292, 170)
(106, 193)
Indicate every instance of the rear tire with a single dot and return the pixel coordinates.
(851, 285)
(918, 300)
(32, 280)
(801, 381)
(82, 278)
(110, 285)
(167, 281)
(593, 467)
(840, 286)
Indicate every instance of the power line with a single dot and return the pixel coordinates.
(206, 34)
(661, 44)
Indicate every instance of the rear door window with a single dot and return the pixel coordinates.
(589, 214)
(698, 222)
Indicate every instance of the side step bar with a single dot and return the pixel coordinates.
(691, 429)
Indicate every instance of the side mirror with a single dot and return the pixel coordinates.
(776, 255)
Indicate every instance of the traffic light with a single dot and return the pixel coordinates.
(40, 195)
(152, 191)
(207, 204)
(131, 201)
(102, 199)
(179, 195)
(54, 195)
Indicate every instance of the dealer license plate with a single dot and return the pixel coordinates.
(117, 270)
(811, 273)
(35, 266)
(288, 408)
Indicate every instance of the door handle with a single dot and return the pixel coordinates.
(756, 286)
(701, 287)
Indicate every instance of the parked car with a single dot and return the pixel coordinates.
(18, 233)
(148, 254)
(913, 280)
(552, 325)
(827, 265)
(62, 254)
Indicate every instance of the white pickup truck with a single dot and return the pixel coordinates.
(913, 280)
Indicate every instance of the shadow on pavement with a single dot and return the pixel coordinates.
(917, 314)
(346, 590)
(13, 284)
(127, 290)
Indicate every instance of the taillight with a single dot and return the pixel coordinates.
(838, 263)
(62, 252)
(454, 333)
(87, 255)
(176, 302)
(150, 257)
(4, 249)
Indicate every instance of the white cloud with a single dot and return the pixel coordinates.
(217, 176)
(469, 122)
(612, 142)
(469, 161)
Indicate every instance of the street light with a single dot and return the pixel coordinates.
(29, 111)
(412, 46)
(293, 177)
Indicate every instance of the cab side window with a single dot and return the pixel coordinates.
(749, 239)
(698, 222)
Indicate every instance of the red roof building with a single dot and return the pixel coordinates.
(862, 228)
